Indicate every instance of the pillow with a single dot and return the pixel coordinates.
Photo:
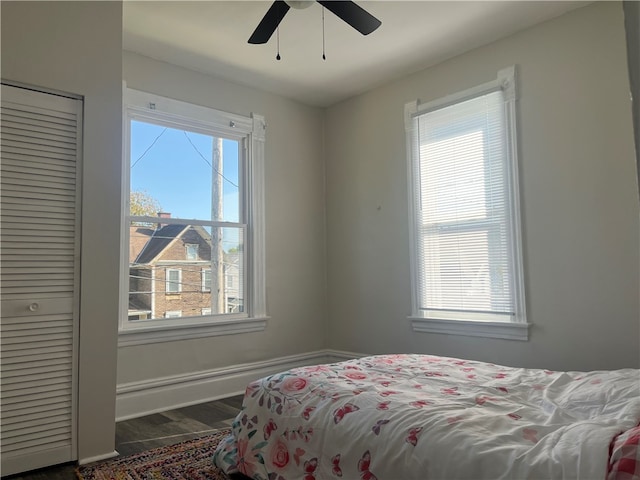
(624, 461)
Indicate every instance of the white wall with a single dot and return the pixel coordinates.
(579, 201)
(76, 47)
(295, 229)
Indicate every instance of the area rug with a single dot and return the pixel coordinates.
(188, 460)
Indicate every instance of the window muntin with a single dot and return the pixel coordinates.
(211, 159)
(464, 205)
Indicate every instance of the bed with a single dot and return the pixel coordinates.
(419, 417)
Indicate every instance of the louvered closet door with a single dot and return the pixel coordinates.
(40, 148)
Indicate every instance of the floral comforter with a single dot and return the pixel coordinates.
(404, 417)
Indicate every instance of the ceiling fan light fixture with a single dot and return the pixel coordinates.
(299, 4)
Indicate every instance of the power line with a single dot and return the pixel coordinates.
(149, 148)
(207, 161)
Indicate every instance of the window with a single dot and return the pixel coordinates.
(173, 280)
(206, 281)
(194, 203)
(192, 251)
(467, 267)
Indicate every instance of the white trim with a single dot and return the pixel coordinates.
(143, 105)
(413, 179)
(169, 333)
(250, 133)
(505, 330)
(98, 458)
(518, 329)
(340, 355)
(505, 81)
(136, 399)
(509, 79)
(256, 290)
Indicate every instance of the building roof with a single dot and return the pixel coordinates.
(159, 240)
(138, 238)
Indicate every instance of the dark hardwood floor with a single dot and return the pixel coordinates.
(157, 430)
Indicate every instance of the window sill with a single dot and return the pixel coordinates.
(165, 333)
(504, 330)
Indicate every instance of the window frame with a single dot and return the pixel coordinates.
(168, 282)
(188, 246)
(518, 327)
(250, 133)
(203, 273)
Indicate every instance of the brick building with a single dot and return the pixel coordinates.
(171, 273)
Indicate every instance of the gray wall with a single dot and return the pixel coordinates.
(632, 28)
(76, 47)
(579, 201)
(295, 228)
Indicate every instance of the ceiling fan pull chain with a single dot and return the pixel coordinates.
(278, 43)
(323, 55)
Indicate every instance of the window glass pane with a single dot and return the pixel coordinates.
(163, 279)
(228, 182)
(184, 173)
(173, 281)
(192, 251)
(206, 280)
(227, 283)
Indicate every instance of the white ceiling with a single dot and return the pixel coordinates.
(211, 37)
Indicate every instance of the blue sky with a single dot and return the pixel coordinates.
(176, 170)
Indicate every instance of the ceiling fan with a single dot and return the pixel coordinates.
(348, 11)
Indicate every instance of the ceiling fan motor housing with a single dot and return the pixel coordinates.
(300, 4)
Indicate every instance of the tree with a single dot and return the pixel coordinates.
(143, 204)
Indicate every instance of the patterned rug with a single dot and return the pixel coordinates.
(189, 460)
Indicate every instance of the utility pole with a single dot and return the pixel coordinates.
(218, 297)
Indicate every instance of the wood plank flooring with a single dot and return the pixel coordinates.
(157, 430)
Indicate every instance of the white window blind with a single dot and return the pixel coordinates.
(465, 222)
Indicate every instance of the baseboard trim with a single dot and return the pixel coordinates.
(341, 355)
(165, 393)
(97, 458)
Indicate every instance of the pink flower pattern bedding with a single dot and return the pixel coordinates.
(424, 417)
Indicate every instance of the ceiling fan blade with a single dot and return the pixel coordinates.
(353, 14)
(269, 22)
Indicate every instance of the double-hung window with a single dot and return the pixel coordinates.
(173, 280)
(206, 280)
(466, 243)
(193, 205)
